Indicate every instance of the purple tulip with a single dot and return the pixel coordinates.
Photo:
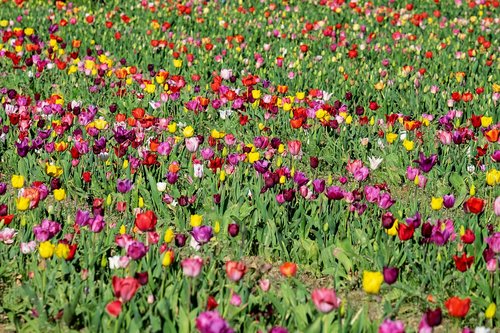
(334, 193)
(82, 217)
(385, 201)
(318, 185)
(414, 221)
(202, 234)
(123, 185)
(448, 200)
(426, 163)
(136, 250)
(207, 153)
(372, 193)
(3, 188)
(212, 322)
(300, 178)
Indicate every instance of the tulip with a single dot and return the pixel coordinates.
(212, 322)
(202, 234)
(389, 326)
(146, 221)
(235, 270)
(390, 274)
(437, 203)
(372, 282)
(195, 220)
(46, 250)
(496, 206)
(192, 266)
(325, 300)
(59, 194)
(490, 311)
(125, 288)
(434, 317)
(17, 181)
(474, 205)
(288, 269)
(494, 242)
(458, 307)
(22, 203)
(449, 200)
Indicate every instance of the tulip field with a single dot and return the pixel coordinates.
(270, 166)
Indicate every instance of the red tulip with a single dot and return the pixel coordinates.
(125, 288)
(146, 221)
(405, 232)
(235, 270)
(114, 308)
(468, 237)
(457, 307)
(474, 205)
(288, 269)
(463, 262)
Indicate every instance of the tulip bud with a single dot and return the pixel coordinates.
(390, 274)
(233, 229)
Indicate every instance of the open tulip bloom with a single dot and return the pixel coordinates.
(249, 166)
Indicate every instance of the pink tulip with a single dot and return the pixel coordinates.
(192, 266)
(325, 300)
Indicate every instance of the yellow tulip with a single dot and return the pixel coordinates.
(46, 249)
(17, 181)
(188, 131)
(62, 250)
(169, 235)
(196, 220)
(59, 194)
(437, 203)
(222, 176)
(391, 137)
(393, 231)
(177, 63)
(486, 121)
(256, 94)
(409, 145)
(253, 157)
(172, 127)
(168, 258)
(372, 282)
(53, 170)
(490, 311)
(217, 227)
(22, 203)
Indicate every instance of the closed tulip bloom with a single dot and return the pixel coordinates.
(372, 282)
(390, 274)
(17, 181)
(449, 200)
(436, 203)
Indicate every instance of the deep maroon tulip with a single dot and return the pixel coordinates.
(434, 317)
(426, 230)
(387, 220)
(390, 274)
(233, 229)
(180, 240)
(142, 277)
(313, 162)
